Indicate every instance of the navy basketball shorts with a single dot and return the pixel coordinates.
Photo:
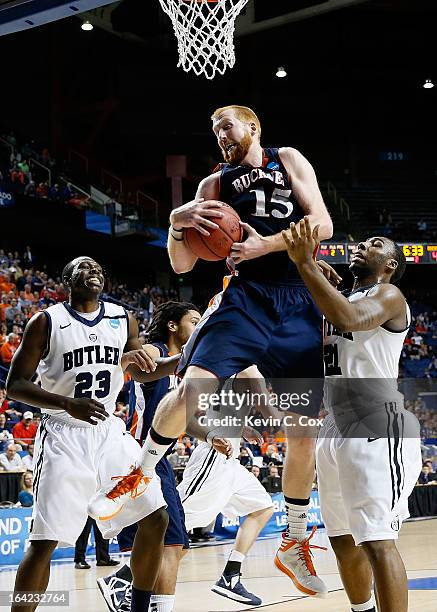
(277, 327)
(176, 534)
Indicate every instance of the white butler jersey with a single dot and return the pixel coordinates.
(83, 356)
(373, 353)
(368, 455)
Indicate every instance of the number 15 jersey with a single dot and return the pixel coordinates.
(83, 355)
(263, 198)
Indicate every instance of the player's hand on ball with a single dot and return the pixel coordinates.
(301, 245)
(329, 273)
(86, 409)
(254, 246)
(252, 436)
(197, 214)
(140, 358)
(222, 446)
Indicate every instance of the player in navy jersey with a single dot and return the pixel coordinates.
(265, 316)
(169, 330)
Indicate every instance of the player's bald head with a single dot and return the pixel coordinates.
(68, 269)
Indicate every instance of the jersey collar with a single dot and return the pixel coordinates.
(77, 316)
(361, 289)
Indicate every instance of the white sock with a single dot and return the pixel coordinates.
(161, 603)
(369, 606)
(296, 521)
(236, 556)
(152, 453)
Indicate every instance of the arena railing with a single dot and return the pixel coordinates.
(7, 144)
(143, 202)
(338, 200)
(33, 162)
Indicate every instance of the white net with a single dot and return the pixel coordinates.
(205, 33)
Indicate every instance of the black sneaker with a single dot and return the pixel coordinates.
(107, 563)
(82, 565)
(232, 588)
(125, 604)
(114, 587)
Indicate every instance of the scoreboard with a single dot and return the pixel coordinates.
(420, 253)
(415, 252)
(333, 252)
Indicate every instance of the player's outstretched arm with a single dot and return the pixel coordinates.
(23, 367)
(383, 304)
(143, 362)
(198, 214)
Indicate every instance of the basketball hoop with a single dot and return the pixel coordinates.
(205, 33)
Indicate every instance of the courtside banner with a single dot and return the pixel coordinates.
(226, 528)
(14, 534)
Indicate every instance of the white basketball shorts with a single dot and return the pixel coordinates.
(364, 483)
(73, 461)
(214, 484)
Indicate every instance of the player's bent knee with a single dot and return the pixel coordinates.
(263, 515)
(196, 372)
(196, 383)
(42, 546)
(343, 546)
(155, 524)
(160, 520)
(267, 513)
(378, 549)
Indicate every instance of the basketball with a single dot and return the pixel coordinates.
(218, 244)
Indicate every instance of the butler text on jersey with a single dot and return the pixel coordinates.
(91, 354)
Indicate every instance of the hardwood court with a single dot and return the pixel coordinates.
(202, 566)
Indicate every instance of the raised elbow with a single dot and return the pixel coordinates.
(179, 268)
(181, 265)
(11, 388)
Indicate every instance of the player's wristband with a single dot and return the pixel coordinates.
(178, 238)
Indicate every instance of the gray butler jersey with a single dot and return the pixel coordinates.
(83, 356)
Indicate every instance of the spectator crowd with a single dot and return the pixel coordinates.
(28, 169)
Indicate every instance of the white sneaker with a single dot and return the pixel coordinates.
(108, 502)
(294, 560)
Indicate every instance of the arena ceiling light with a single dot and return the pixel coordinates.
(281, 72)
(87, 26)
(428, 84)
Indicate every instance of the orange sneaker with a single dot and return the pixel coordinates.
(294, 559)
(108, 503)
